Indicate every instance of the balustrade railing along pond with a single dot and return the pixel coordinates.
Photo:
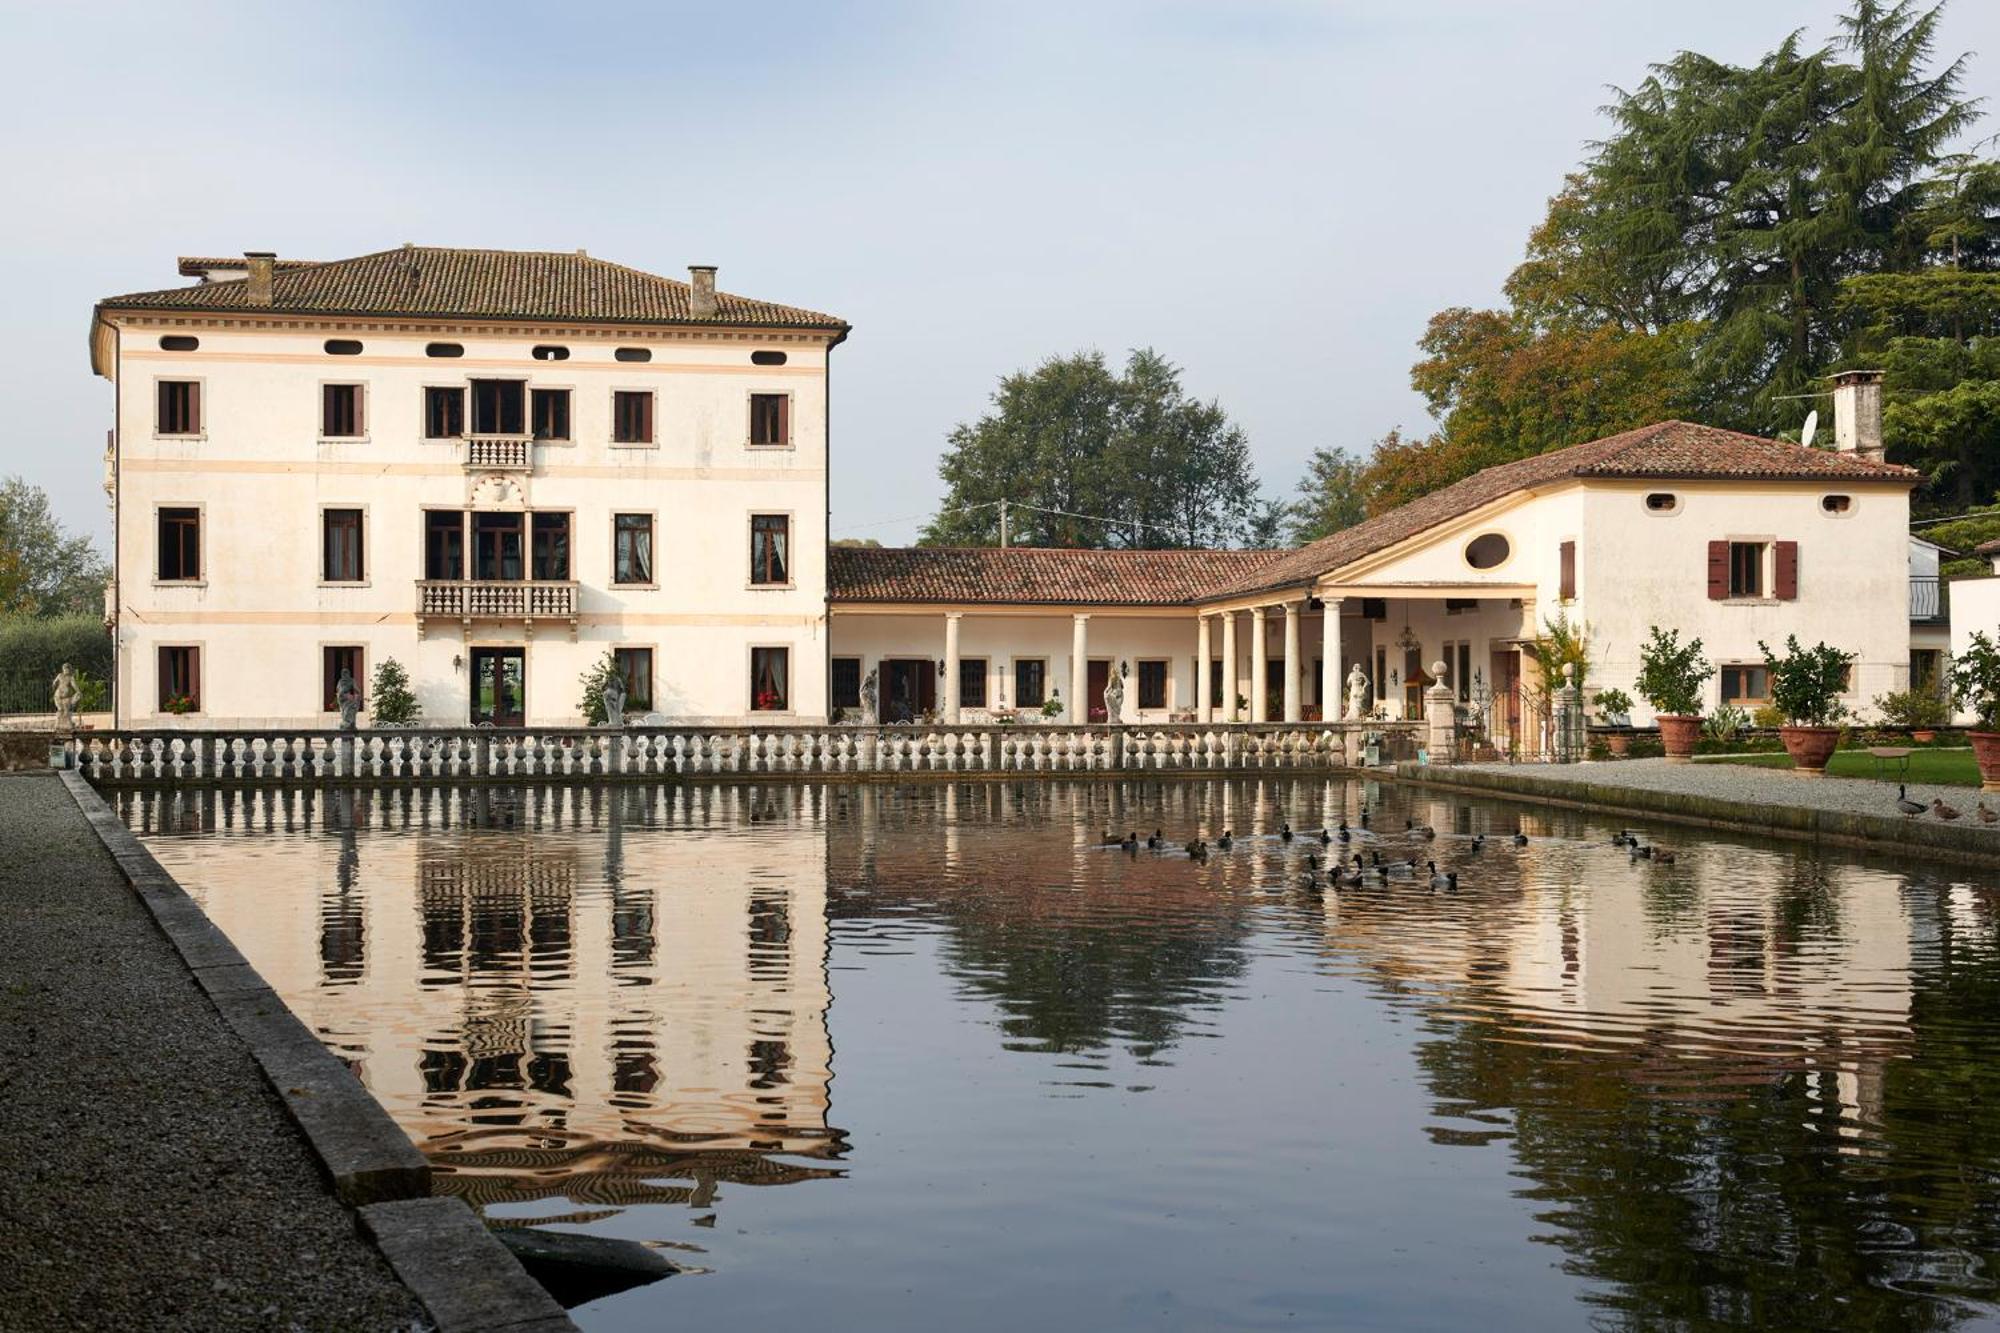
(431, 754)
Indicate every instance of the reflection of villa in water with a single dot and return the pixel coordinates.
(550, 1009)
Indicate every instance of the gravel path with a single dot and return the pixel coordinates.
(1759, 786)
(149, 1177)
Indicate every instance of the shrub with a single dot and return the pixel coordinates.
(1917, 709)
(391, 702)
(1612, 703)
(32, 651)
(1975, 680)
(591, 705)
(1806, 683)
(1768, 717)
(1053, 707)
(1671, 673)
(1728, 723)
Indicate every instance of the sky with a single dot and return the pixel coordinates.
(1275, 195)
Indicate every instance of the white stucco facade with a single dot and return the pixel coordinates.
(259, 474)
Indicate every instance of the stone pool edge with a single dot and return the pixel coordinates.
(465, 1278)
(1941, 842)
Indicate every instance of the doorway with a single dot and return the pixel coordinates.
(1098, 676)
(909, 688)
(500, 686)
(1504, 718)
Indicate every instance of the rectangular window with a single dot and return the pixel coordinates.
(180, 545)
(1030, 682)
(549, 416)
(550, 546)
(1381, 675)
(636, 666)
(444, 414)
(1462, 673)
(333, 661)
(1459, 605)
(498, 407)
(1152, 684)
(770, 419)
(496, 548)
(770, 679)
(632, 548)
(180, 680)
(972, 682)
(1746, 569)
(179, 409)
(770, 548)
(1566, 576)
(340, 411)
(340, 545)
(1746, 686)
(444, 544)
(631, 417)
(846, 682)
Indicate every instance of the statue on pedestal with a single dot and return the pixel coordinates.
(1357, 693)
(65, 696)
(868, 699)
(613, 695)
(347, 697)
(1114, 699)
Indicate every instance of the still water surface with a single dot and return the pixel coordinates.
(930, 1056)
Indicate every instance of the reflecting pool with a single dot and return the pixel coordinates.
(934, 1056)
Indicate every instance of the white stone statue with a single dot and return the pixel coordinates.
(1357, 693)
(613, 695)
(347, 697)
(65, 697)
(1114, 699)
(868, 698)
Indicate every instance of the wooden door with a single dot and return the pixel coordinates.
(1099, 677)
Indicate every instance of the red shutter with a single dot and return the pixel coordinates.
(1718, 571)
(646, 418)
(1788, 571)
(784, 419)
(1568, 590)
(194, 408)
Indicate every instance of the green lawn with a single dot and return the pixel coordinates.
(1950, 768)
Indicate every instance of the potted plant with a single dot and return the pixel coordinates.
(1614, 710)
(1919, 710)
(1053, 708)
(1671, 676)
(1975, 684)
(1806, 685)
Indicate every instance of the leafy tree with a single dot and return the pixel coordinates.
(391, 701)
(1072, 443)
(593, 681)
(44, 570)
(855, 541)
(1333, 495)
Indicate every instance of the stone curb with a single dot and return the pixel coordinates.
(467, 1280)
(1880, 833)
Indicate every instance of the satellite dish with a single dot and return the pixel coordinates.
(1812, 425)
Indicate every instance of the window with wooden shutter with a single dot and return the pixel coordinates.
(770, 420)
(1567, 592)
(179, 408)
(631, 417)
(1718, 571)
(1788, 571)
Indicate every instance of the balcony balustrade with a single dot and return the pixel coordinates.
(1930, 599)
(468, 600)
(499, 453)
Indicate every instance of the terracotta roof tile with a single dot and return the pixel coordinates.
(423, 280)
(1024, 575)
(1666, 450)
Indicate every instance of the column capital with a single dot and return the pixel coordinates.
(954, 615)
(1079, 615)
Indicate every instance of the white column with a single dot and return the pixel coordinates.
(1332, 673)
(1229, 666)
(1079, 670)
(1260, 668)
(951, 619)
(1291, 661)
(1202, 685)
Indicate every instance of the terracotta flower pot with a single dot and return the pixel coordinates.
(1923, 736)
(1678, 733)
(1620, 742)
(1986, 749)
(1810, 747)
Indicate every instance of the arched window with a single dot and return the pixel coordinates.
(767, 358)
(178, 342)
(550, 352)
(1662, 502)
(343, 347)
(633, 354)
(445, 349)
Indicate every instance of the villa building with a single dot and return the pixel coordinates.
(495, 467)
(491, 466)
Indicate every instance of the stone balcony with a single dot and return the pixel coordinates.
(499, 453)
(470, 600)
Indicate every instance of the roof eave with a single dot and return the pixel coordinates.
(840, 327)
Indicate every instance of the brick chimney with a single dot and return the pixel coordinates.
(258, 265)
(1857, 413)
(701, 301)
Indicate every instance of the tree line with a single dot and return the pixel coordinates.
(1740, 233)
